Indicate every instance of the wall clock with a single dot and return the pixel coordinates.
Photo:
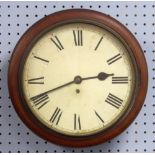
(77, 78)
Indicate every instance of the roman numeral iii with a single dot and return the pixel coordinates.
(36, 80)
(120, 80)
(114, 59)
(56, 116)
(77, 122)
(40, 100)
(114, 101)
(57, 43)
(78, 37)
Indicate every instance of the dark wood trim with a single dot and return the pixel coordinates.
(51, 21)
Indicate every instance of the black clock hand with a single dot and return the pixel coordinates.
(101, 76)
(77, 80)
(43, 94)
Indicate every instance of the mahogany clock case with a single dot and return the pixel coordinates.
(36, 31)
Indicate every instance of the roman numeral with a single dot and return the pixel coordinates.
(98, 43)
(114, 101)
(41, 59)
(119, 80)
(100, 118)
(57, 43)
(77, 123)
(114, 59)
(40, 100)
(36, 81)
(78, 37)
(56, 116)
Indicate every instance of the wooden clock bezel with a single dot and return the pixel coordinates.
(51, 21)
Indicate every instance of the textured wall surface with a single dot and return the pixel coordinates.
(17, 17)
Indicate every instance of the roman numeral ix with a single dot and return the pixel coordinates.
(40, 100)
(36, 80)
(120, 80)
(56, 116)
(114, 59)
(57, 43)
(114, 101)
(78, 37)
(77, 122)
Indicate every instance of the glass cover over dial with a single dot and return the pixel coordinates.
(78, 79)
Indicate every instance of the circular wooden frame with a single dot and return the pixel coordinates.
(54, 20)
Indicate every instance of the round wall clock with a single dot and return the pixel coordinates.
(77, 78)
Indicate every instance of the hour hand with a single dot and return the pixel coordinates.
(101, 76)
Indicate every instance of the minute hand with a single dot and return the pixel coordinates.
(60, 87)
(51, 90)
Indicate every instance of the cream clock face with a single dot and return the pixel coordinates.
(78, 79)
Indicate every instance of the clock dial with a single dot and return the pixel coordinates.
(78, 79)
